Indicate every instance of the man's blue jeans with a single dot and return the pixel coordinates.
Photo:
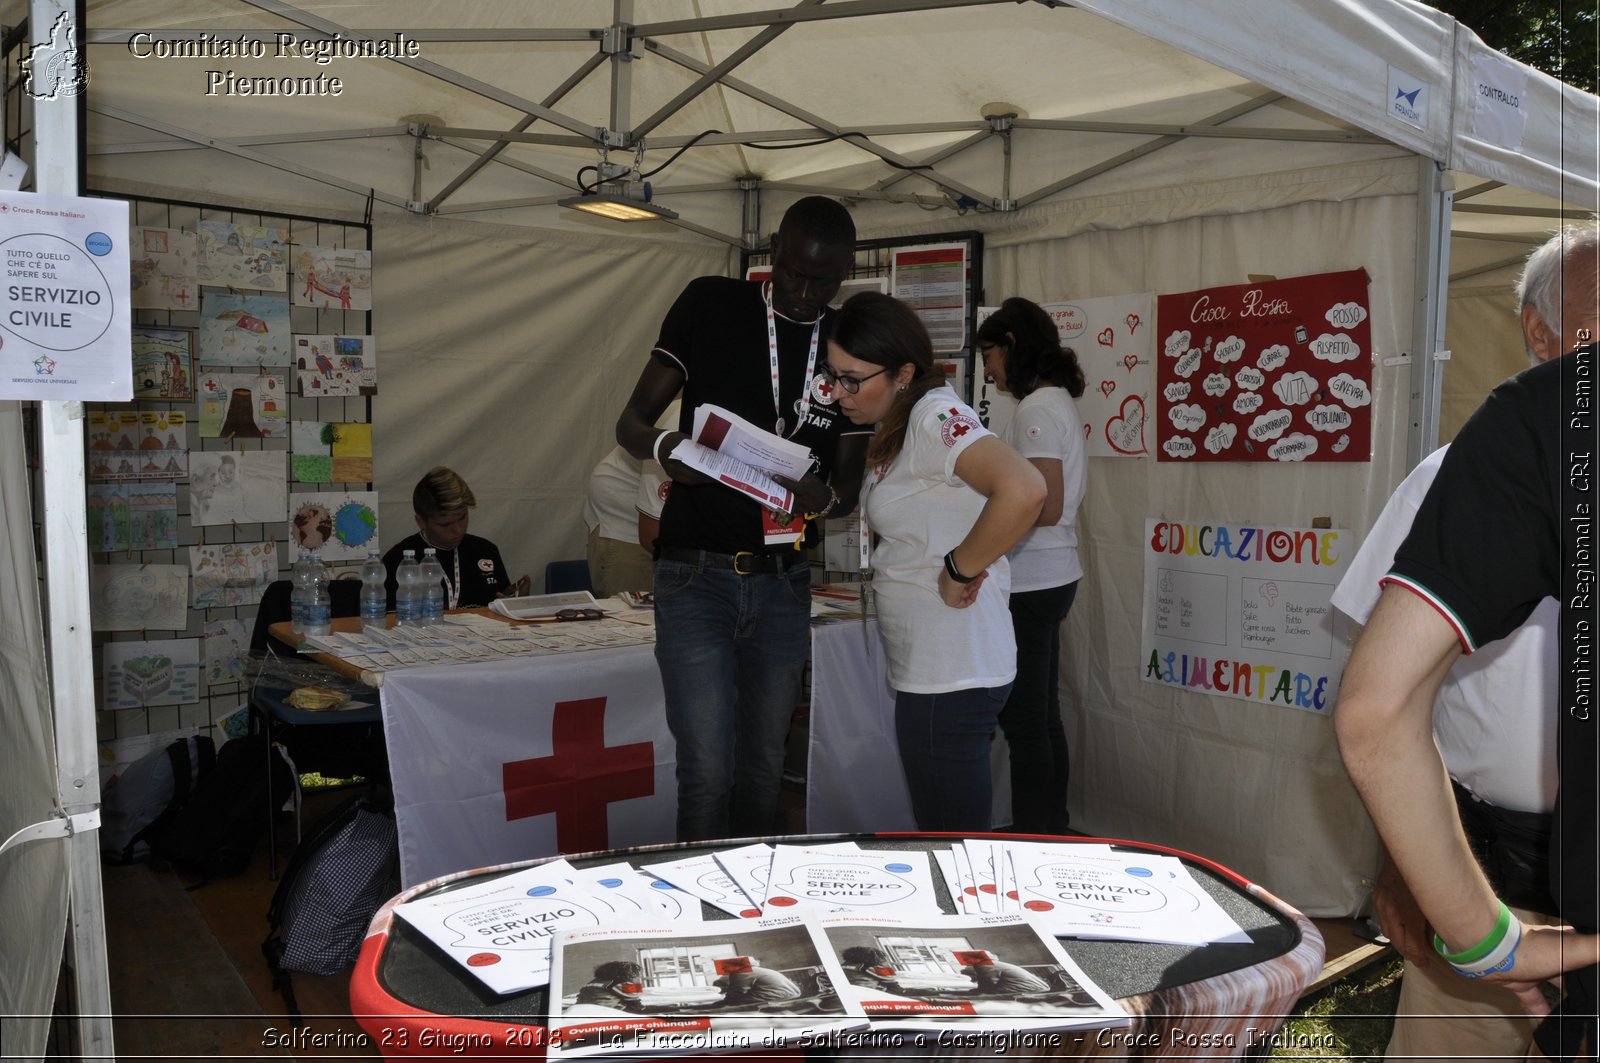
(944, 749)
(732, 650)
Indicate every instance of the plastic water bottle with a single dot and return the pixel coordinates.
(319, 598)
(374, 596)
(298, 577)
(407, 608)
(432, 588)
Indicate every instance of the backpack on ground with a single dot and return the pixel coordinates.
(215, 833)
(148, 793)
(340, 875)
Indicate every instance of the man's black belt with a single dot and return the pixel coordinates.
(1513, 848)
(745, 562)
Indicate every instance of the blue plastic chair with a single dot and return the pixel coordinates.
(562, 576)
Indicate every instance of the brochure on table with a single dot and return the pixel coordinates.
(731, 985)
(952, 972)
(825, 880)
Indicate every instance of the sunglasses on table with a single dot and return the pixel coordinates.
(580, 614)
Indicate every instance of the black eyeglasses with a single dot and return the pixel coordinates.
(852, 384)
(580, 614)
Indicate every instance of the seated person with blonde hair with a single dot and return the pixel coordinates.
(474, 575)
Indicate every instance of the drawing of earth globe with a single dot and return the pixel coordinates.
(355, 524)
(313, 526)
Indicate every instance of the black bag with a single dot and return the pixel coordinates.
(148, 793)
(215, 833)
(340, 875)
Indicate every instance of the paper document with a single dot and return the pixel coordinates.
(735, 452)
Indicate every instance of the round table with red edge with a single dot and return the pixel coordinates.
(1223, 1000)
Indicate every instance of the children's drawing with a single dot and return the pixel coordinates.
(236, 487)
(331, 451)
(163, 364)
(242, 256)
(227, 648)
(148, 445)
(164, 672)
(242, 405)
(231, 574)
(248, 330)
(335, 365)
(164, 265)
(340, 525)
(332, 278)
(133, 516)
(139, 597)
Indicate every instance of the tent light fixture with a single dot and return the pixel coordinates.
(616, 202)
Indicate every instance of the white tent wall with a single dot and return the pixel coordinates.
(1197, 771)
(31, 874)
(507, 354)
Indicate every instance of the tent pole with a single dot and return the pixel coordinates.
(57, 151)
(1430, 288)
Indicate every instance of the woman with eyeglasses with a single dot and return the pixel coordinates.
(945, 499)
(1023, 356)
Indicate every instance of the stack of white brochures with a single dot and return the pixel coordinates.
(739, 985)
(1087, 890)
(740, 455)
(970, 974)
(534, 606)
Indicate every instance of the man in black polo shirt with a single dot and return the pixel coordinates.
(732, 611)
(1509, 520)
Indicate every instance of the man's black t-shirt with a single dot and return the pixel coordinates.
(483, 574)
(716, 333)
(1510, 520)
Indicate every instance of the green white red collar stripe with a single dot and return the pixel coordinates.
(1449, 615)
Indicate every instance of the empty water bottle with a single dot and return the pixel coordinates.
(319, 598)
(432, 588)
(374, 596)
(408, 586)
(298, 591)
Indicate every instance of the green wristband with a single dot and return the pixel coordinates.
(1482, 948)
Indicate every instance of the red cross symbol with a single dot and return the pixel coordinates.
(825, 389)
(959, 430)
(580, 777)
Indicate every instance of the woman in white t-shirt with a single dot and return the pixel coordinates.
(945, 499)
(1022, 355)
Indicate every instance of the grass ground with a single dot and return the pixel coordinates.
(1353, 1016)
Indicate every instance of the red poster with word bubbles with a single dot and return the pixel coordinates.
(1276, 371)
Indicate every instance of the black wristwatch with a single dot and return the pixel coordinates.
(955, 573)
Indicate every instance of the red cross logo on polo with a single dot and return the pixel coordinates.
(954, 426)
(580, 778)
(822, 390)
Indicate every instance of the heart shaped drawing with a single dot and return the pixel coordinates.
(1106, 337)
(1134, 321)
(1129, 361)
(1107, 387)
(1125, 431)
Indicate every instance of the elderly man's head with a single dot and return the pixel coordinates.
(1560, 292)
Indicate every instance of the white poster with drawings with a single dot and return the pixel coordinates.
(332, 278)
(232, 574)
(237, 486)
(1113, 337)
(341, 526)
(1243, 612)
(137, 674)
(139, 597)
(227, 649)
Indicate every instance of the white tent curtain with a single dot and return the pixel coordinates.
(1259, 788)
(507, 354)
(32, 876)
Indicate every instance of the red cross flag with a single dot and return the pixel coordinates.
(503, 761)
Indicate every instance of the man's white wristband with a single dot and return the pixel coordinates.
(655, 450)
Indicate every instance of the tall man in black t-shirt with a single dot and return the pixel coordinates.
(1508, 521)
(732, 611)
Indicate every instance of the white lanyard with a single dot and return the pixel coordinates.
(454, 589)
(772, 351)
